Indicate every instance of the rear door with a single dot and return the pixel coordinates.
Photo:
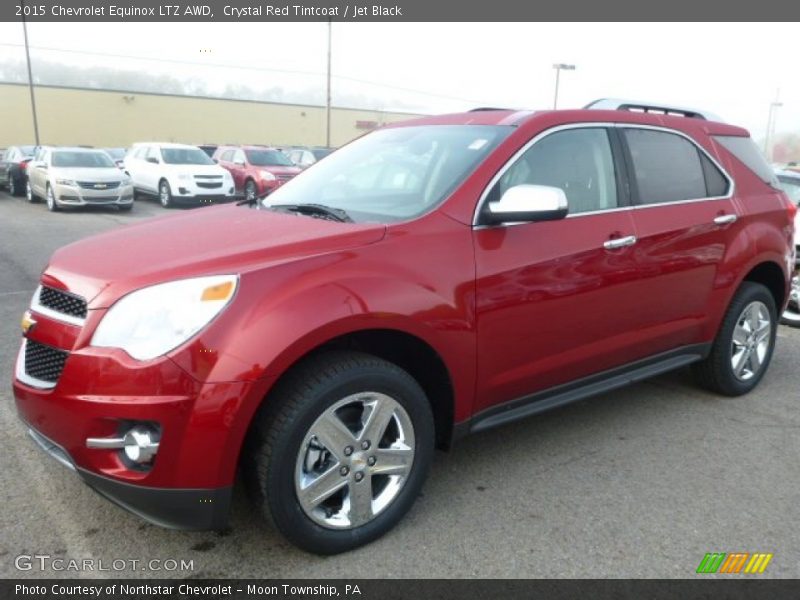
(685, 219)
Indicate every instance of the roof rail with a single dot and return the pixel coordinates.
(484, 108)
(649, 107)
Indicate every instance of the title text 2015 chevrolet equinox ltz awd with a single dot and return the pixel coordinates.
(433, 278)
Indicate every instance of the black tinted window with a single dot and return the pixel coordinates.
(667, 167)
(579, 161)
(716, 184)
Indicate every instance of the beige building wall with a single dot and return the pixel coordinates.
(70, 116)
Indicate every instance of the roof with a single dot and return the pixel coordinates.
(556, 117)
(163, 145)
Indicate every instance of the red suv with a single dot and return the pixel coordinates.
(431, 279)
(256, 170)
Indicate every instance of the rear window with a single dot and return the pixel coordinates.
(748, 153)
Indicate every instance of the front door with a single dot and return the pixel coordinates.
(558, 300)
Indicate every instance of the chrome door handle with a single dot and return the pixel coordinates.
(628, 240)
(725, 219)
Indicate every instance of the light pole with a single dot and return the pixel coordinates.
(30, 75)
(771, 126)
(328, 98)
(560, 67)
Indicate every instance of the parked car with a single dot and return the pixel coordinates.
(326, 339)
(256, 170)
(305, 157)
(67, 177)
(13, 167)
(789, 181)
(178, 174)
(209, 149)
(117, 155)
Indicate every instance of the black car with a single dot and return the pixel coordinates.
(209, 149)
(13, 165)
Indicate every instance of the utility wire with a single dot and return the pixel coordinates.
(259, 69)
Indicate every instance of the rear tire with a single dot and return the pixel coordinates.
(13, 185)
(791, 316)
(348, 500)
(742, 351)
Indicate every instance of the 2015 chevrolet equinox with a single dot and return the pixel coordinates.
(433, 278)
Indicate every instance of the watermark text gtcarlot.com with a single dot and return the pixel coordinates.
(46, 562)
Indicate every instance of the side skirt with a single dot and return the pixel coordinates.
(581, 389)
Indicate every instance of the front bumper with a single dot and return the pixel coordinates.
(190, 509)
(190, 191)
(67, 195)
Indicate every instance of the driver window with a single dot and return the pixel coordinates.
(579, 161)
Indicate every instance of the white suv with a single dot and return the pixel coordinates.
(177, 173)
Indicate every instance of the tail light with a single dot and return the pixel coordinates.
(23, 164)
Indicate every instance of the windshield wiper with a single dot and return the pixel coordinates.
(320, 210)
(255, 200)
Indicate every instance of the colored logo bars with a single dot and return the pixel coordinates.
(735, 562)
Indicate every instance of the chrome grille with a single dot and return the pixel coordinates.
(99, 185)
(43, 362)
(63, 302)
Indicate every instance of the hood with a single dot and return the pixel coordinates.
(86, 174)
(194, 170)
(278, 170)
(210, 240)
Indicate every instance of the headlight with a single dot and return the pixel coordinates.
(152, 321)
(66, 182)
(267, 176)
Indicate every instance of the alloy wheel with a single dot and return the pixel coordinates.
(163, 194)
(751, 341)
(354, 460)
(250, 191)
(28, 191)
(792, 313)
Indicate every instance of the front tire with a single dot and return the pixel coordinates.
(165, 194)
(52, 205)
(340, 451)
(250, 190)
(742, 351)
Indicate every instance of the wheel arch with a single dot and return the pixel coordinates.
(406, 350)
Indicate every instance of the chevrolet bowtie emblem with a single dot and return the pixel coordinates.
(100, 186)
(27, 322)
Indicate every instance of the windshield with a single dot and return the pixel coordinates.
(320, 153)
(27, 150)
(116, 153)
(81, 159)
(792, 188)
(268, 158)
(393, 174)
(185, 156)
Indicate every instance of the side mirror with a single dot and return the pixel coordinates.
(525, 203)
(152, 159)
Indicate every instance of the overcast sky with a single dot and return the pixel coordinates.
(734, 70)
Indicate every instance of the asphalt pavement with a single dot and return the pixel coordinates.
(640, 483)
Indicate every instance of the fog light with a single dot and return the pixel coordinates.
(140, 445)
